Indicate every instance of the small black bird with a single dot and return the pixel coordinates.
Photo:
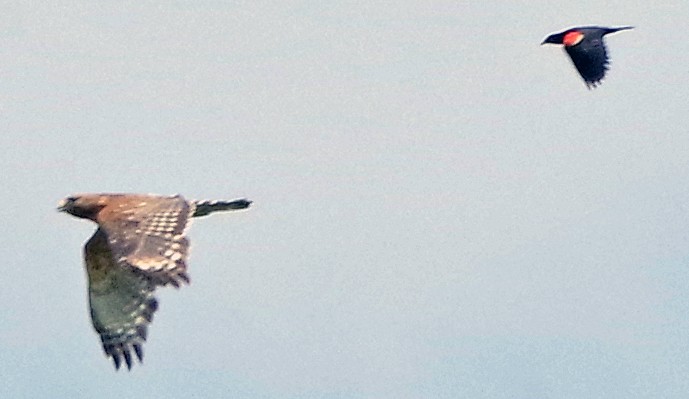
(586, 48)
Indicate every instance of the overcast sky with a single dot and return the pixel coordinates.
(441, 208)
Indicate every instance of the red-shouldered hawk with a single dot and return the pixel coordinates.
(138, 246)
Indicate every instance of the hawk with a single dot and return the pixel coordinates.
(140, 244)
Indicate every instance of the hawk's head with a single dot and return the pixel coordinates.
(82, 206)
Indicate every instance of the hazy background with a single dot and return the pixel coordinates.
(442, 209)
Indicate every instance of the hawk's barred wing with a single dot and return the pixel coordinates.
(121, 301)
(147, 234)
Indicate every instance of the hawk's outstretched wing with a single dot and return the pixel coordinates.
(147, 233)
(121, 301)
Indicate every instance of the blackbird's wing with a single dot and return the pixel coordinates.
(590, 57)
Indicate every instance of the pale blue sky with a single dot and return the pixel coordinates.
(441, 208)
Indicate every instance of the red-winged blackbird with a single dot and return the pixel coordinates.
(586, 48)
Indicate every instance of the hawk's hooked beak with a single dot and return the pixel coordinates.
(63, 205)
